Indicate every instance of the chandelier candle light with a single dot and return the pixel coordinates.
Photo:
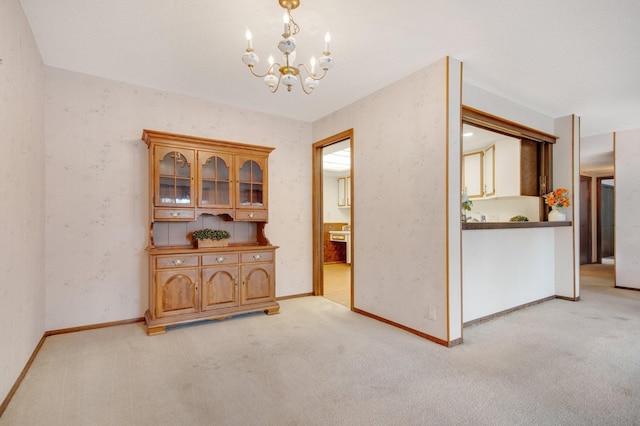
(288, 74)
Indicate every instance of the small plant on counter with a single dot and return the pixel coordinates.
(519, 218)
(211, 234)
(211, 237)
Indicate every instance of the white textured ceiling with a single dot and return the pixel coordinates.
(558, 57)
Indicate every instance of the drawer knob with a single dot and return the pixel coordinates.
(175, 214)
(257, 257)
(178, 262)
(251, 215)
(221, 259)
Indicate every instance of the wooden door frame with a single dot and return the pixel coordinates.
(317, 211)
(598, 216)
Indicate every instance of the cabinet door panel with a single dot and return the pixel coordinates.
(173, 177)
(252, 183)
(176, 292)
(219, 287)
(489, 167)
(342, 192)
(215, 177)
(529, 177)
(257, 284)
(472, 174)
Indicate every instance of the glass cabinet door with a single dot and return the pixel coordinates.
(251, 185)
(215, 180)
(174, 177)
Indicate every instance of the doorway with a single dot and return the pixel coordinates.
(333, 218)
(606, 220)
(586, 246)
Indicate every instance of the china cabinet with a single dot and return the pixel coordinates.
(190, 177)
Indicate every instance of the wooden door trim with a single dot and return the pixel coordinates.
(317, 210)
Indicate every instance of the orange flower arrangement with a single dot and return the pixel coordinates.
(558, 198)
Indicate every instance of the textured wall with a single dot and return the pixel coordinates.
(400, 178)
(97, 173)
(22, 290)
(627, 194)
(509, 274)
(566, 174)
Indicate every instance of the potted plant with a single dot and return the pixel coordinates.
(466, 205)
(211, 237)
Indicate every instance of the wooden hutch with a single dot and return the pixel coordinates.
(191, 177)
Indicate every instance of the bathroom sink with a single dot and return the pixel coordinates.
(343, 236)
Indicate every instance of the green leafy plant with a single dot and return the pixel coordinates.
(519, 218)
(466, 202)
(211, 234)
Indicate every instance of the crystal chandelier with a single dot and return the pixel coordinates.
(288, 74)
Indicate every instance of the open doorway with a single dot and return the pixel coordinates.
(606, 220)
(333, 218)
(586, 246)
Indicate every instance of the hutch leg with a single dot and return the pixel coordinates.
(152, 331)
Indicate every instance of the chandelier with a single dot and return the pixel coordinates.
(288, 74)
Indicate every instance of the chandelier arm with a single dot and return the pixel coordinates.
(277, 84)
(269, 70)
(313, 76)
(303, 88)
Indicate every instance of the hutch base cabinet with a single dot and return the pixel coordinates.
(200, 284)
(190, 177)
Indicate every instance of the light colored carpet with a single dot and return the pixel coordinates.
(317, 363)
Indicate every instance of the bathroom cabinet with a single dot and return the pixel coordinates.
(344, 191)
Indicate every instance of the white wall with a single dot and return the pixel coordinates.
(22, 290)
(401, 137)
(96, 169)
(566, 174)
(627, 200)
(488, 102)
(503, 209)
(515, 270)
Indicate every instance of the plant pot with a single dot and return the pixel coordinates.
(213, 243)
(557, 216)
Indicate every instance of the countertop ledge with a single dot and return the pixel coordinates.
(239, 247)
(512, 225)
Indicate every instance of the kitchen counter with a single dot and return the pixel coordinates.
(512, 225)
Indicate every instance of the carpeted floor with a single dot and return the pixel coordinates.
(317, 363)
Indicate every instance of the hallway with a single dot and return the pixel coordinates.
(596, 274)
(337, 283)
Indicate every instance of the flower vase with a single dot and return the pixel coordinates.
(556, 215)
